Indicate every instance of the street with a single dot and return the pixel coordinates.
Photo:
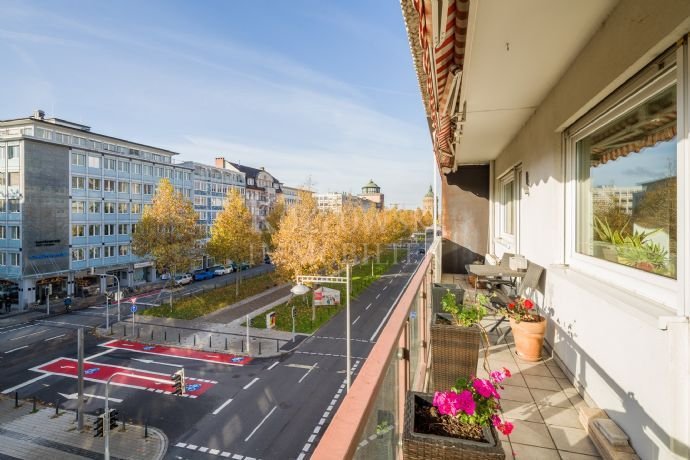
(234, 407)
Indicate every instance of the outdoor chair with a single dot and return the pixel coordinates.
(504, 264)
(500, 298)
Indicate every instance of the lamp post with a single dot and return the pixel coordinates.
(119, 296)
(301, 289)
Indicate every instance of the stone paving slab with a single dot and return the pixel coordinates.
(28, 435)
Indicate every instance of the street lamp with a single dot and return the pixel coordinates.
(301, 289)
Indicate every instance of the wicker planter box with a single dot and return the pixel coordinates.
(418, 446)
(454, 352)
(439, 290)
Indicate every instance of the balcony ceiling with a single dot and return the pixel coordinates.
(516, 52)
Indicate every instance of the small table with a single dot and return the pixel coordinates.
(493, 271)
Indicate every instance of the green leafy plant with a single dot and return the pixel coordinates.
(465, 315)
(633, 249)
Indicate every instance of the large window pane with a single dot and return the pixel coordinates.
(626, 200)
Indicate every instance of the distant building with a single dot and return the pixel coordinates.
(622, 197)
(261, 190)
(335, 201)
(291, 195)
(428, 201)
(372, 192)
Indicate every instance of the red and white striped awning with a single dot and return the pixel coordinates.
(442, 64)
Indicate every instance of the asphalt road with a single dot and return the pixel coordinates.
(270, 408)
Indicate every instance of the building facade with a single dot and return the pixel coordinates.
(428, 202)
(70, 200)
(336, 201)
(372, 192)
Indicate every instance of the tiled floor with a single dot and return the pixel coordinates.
(540, 401)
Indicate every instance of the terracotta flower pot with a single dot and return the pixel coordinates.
(529, 338)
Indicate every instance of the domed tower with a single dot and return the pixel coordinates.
(428, 201)
(372, 192)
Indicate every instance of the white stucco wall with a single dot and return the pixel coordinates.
(608, 338)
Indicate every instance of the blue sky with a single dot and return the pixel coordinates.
(303, 88)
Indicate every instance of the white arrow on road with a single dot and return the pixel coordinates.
(76, 395)
(150, 361)
(66, 367)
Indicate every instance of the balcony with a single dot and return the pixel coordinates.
(539, 398)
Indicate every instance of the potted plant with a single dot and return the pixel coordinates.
(457, 424)
(440, 290)
(528, 328)
(455, 340)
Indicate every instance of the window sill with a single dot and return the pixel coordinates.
(643, 308)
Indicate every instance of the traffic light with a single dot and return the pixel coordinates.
(98, 426)
(178, 382)
(114, 413)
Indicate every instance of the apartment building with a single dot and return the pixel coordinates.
(69, 202)
(336, 201)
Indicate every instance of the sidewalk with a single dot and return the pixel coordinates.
(207, 334)
(28, 435)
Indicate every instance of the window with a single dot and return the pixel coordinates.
(136, 208)
(136, 188)
(14, 232)
(148, 189)
(13, 205)
(94, 184)
(94, 207)
(12, 153)
(78, 207)
(124, 249)
(3, 232)
(199, 201)
(78, 182)
(109, 207)
(94, 162)
(123, 187)
(14, 259)
(109, 163)
(136, 168)
(148, 170)
(108, 185)
(160, 172)
(78, 159)
(108, 251)
(13, 179)
(3, 258)
(134, 228)
(123, 229)
(95, 252)
(123, 166)
(109, 229)
(508, 196)
(78, 230)
(77, 254)
(94, 230)
(626, 193)
(123, 208)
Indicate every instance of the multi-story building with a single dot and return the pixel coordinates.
(336, 201)
(211, 186)
(372, 192)
(261, 190)
(69, 201)
(620, 197)
(291, 195)
(428, 201)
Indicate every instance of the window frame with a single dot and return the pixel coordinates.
(652, 80)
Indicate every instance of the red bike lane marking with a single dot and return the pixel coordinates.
(98, 372)
(178, 352)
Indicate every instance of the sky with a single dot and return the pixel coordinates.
(306, 89)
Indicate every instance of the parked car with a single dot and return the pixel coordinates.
(203, 274)
(267, 259)
(421, 251)
(181, 280)
(244, 266)
(233, 266)
(165, 276)
(222, 270)
(216, 270)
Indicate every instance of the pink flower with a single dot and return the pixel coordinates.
(485, 388)
(466, 402)
(499, 376)
(504, 427)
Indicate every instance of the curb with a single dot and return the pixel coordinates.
(164, 442)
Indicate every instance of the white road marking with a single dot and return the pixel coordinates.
(378, 295)
(15, 349)
(322, 421)
(76, 395)
(179, 444)
(28, 335)
(17, 329)
(109, 350)
(356, 319)
(28, 382)
(385, 287)
(250, 383)
(272, 365)
(235, 457)
(260, 423)
(299, 366)
(217, 411)
(150, 361)
(301, 456)
(312, 437)
(191, 447)
(368, 307)
(203, 449)
(53, 338)
(214, 452)
(307, 373)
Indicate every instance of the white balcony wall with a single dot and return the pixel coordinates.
(606, 335)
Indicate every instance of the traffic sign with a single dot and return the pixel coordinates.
(133, 309)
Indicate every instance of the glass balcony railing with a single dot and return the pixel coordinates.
(369, 422)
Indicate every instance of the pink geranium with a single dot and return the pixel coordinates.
(504, 427)
(485, 388)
